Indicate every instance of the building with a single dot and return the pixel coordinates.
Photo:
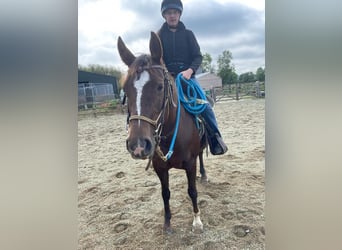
(209, 81)
(96, 88)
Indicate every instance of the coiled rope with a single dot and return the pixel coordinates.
(195, 101)
(191, 103)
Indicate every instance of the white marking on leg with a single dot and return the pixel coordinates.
(139, 85)
(197, 223)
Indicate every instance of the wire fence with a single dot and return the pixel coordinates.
(91, 95)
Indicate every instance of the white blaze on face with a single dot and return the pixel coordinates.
(139, 85)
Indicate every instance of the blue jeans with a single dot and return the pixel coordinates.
(209, 117)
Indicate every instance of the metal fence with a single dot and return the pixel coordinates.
(92, 94)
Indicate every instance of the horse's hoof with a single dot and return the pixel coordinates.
(197, 225)
(168, 230)
(204, 179)
(197, 229)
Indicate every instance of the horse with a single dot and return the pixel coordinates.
(159, 128)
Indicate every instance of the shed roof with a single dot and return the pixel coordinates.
(84, 77)
(209, 80)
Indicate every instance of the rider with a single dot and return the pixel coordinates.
(181, 54)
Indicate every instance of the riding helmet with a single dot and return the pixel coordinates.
(171, 4)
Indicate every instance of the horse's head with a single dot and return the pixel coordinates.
(146, 97)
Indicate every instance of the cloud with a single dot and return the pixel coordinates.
(218, 26)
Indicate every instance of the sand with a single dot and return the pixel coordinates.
(120, 204)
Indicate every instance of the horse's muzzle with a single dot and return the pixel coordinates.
(140, 148)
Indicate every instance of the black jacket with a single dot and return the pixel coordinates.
(180, 49)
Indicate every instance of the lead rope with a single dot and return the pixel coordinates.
(172, 145)
(169, 154)
(159, 128)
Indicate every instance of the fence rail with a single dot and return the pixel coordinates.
(238, 91)
(92, 95)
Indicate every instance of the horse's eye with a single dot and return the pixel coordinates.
(160, 87)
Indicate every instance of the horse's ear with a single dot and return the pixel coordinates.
(126, 55)
(156, 48)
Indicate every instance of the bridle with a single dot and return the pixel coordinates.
(159, 122)
(168, 98)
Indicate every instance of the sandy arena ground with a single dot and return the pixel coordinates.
(120, 204)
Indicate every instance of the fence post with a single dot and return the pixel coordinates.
(237, 91)
(257, 90)
(213, 94)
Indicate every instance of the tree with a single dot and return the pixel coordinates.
(260, 74)
(207, 63)
(233, 77)
(105, 70)
(225, 70)
(247, 77)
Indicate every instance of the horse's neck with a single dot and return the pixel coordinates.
(171, 112)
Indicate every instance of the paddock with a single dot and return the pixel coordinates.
(120, 204)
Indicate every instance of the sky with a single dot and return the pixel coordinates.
(219, 25)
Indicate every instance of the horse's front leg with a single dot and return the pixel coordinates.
(163, 175)
(192, 191)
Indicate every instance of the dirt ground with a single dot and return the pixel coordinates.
(120, 204)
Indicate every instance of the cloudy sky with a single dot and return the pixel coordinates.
(234, 25)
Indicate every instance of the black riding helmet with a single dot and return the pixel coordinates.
(171, 4)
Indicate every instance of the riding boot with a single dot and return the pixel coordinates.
(216, 143)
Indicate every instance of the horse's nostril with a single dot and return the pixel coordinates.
(140, 148)
(131, 145)
(148, 146)
(128, 146)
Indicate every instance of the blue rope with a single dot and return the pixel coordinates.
(194, 93)
(190, 103)
(168, 155)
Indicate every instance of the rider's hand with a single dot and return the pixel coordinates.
(187, 73)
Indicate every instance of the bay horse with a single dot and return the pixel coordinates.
(159, 128)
